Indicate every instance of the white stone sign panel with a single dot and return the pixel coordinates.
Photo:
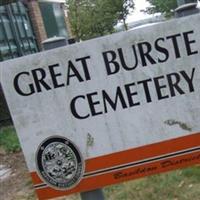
(108, 110)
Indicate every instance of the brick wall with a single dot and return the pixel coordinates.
(37, 22)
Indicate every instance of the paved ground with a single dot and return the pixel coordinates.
(15, 181)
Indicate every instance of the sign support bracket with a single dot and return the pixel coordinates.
(93, 195)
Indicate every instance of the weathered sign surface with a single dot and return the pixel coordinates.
(110, 109)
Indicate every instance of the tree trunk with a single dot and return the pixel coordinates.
(125, 24)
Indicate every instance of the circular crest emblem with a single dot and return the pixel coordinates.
(59, 163)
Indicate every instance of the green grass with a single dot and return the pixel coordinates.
(183, 184)
(9, 140)
(177, 185)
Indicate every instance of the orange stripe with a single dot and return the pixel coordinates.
(36, 179)
(126, 157)
(108, 179)
(143, 152)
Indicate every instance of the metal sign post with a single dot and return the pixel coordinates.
(93, 195)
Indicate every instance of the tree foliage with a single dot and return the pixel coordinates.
(94, 18)
(125, 8)
(165, 7)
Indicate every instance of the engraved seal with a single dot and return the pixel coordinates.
(59, 163)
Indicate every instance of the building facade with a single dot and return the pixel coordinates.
(24, 25)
